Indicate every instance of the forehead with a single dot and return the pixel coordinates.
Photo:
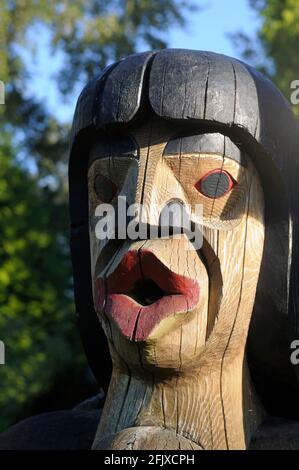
(171, 142)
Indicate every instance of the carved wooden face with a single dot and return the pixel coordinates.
(163, 303)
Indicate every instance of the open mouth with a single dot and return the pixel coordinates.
(141, 292)
(146, 292)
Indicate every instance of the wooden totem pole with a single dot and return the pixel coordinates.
(198, 334)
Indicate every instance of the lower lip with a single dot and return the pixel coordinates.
(136, 322)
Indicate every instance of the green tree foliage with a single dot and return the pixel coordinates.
(36, 306)
(35, 291)
(88, 34)
(275, 48)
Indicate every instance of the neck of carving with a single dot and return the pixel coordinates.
(191, 405)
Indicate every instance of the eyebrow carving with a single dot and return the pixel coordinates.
(214, 143)
(109, 147)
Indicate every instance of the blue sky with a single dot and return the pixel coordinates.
(207, 29)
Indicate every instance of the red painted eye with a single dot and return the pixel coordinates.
(215, 184)
(104, 188)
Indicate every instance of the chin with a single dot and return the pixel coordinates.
(173, 346)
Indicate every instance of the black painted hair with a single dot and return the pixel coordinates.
(203, 90)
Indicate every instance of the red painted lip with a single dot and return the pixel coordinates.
(178, 294)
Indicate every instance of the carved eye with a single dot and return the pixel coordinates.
(104, 188)
(215, 184)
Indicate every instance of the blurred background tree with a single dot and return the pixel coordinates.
(274, 48)
(45, 367)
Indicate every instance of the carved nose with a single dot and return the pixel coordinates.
(163, 190)
(174, 214)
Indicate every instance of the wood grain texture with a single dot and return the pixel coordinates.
(146, 438)
(204, 143)
(125, 82)
(246, 99)
(189, 381)
(263, 125)
(185, 72)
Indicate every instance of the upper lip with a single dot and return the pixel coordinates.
(139, 269)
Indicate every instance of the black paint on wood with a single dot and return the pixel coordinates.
(220, 101)
(121, 93)
(200, 90)
(205, 143)
(185, 73)
(109, 147)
